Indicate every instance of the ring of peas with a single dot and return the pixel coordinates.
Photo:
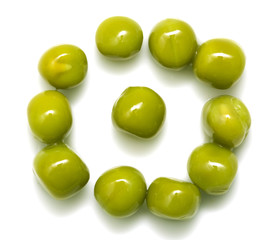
(140, 111)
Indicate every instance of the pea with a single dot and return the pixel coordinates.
(172, 43)
(120, 191)
(226, 120)
(60, 171)
(219, 62)
(63, 66)
(139, 111)
(173, 199)
(212, 168)
(119, 38)
(49, 116)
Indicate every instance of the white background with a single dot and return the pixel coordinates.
(29, 27)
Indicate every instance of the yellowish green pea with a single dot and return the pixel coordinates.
(226, 120)
(49, 116)
(219, 62)
(172, 43)
(60, 171)
(212, 168)
(119, 38)
(173, 199)
(63, 66)
(120, 191)
(139, 111)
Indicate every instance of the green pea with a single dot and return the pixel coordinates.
(173, 199)
(212, 168)
(119, 38)
(219, 62)
(172, 43)
(63, 66)
(226, 120)
(49, 116)
(60, 171)
(120, 191)
(139, 111)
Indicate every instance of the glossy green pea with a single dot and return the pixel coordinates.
(60, 171)
(139, 111)
(172, 43)
(173, 199)
(120, 191)
(212, 168)
(226, 120)
(49, 116)
(219, 62)
(119, 38)
(63, 66)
